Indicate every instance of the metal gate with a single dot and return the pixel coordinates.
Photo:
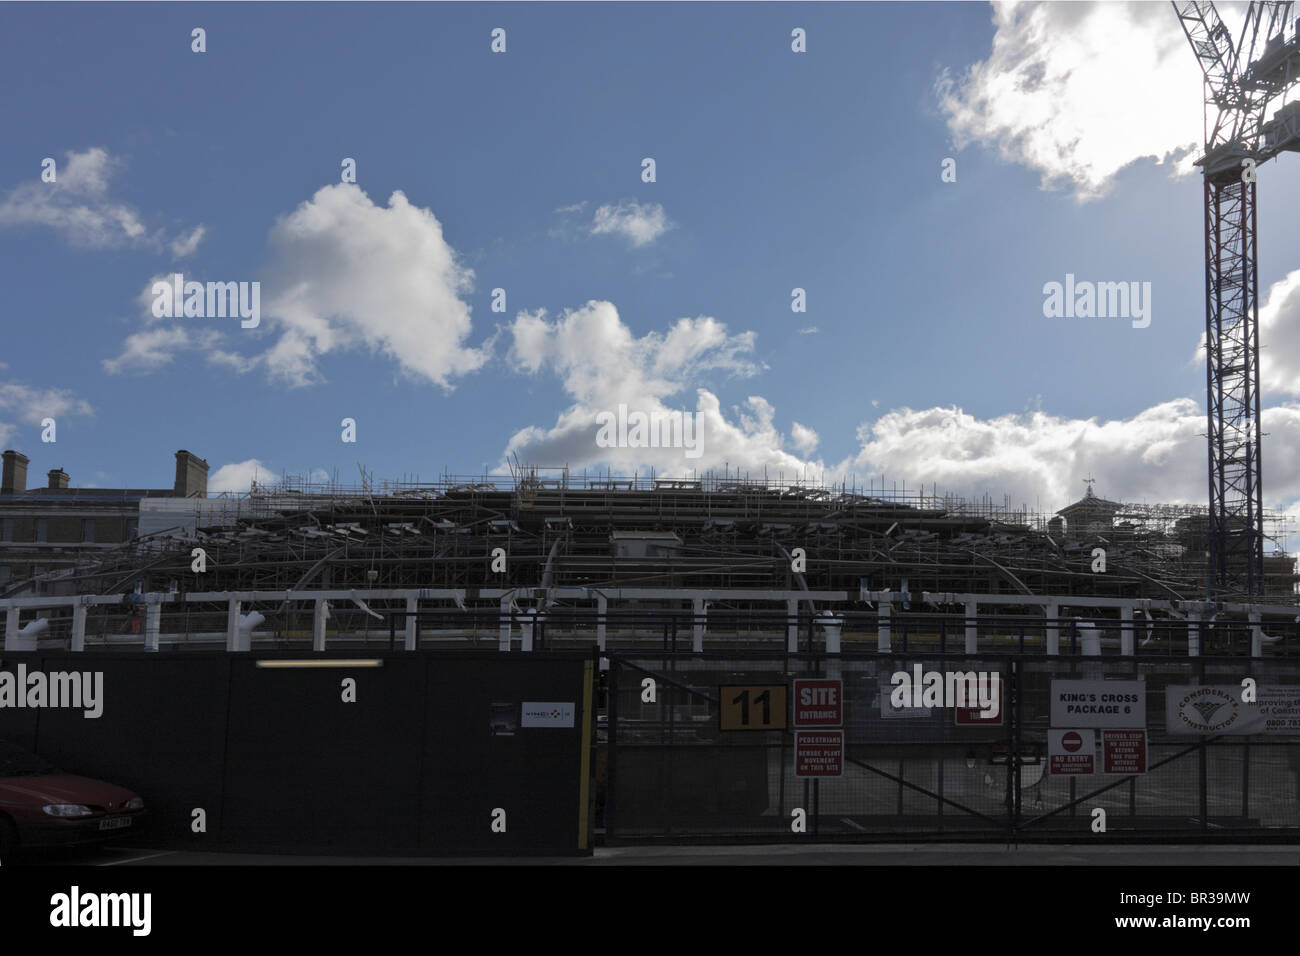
(676, 773)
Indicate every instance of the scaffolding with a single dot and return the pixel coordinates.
(727, 530)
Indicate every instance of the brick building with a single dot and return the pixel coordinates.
(44, 530)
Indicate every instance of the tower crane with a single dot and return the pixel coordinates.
(1243, 77)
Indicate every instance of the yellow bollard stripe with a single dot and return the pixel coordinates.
(584, 779)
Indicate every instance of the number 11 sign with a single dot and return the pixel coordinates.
(752, 706)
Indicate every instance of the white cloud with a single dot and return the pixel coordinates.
(155, 347)
(346, 275)
(1032, 458)
(78, 205)
(163, 339)
(811, 330)
(598, 357)
(639, 224)
(28, 405)
(1157, 455)
(238, 476)
(350, 275)
(1078, 91)
(183, 246)
(1279, 333)
(1039, 460)
(601, 365)
(241, 364)
(804, 439)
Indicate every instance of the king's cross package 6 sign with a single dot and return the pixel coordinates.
(1099, 703)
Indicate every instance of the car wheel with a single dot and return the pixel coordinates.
(8, 838)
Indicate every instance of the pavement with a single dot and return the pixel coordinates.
(940, 854)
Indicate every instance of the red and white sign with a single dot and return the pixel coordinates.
(1071, 752)
(977, 717)
(818, 703)
(819, 753)
(1124, 751)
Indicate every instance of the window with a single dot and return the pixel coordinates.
(88, 530)
(4, 576)
(42, 529)
(6, 529)
(131, 525)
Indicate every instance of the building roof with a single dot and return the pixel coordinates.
(1090, 504)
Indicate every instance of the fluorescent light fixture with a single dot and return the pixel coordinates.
(360, 662)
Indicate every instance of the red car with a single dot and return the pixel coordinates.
(42, 806)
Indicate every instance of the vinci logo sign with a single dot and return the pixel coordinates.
(547, 714)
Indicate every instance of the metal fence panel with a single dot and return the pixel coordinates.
(918, 774)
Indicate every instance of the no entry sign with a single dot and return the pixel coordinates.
(1071, 752)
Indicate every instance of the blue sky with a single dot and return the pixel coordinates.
(775, 170)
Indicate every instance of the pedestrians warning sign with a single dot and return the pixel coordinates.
(1124, 751)
(818, 703)
(1071, 751)
(819, 753)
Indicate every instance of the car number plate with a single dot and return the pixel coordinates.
(114, 823)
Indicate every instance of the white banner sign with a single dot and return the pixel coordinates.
(1099, 703)
(1219, 709)
(547, 714)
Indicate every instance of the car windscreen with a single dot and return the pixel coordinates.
(17, 761)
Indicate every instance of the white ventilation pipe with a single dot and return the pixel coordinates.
(832, 626)
(528, 621)
(1089, 639)
(29, 633)
(320, 614)
(34, 629)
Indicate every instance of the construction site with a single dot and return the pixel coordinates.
(297, 561)
(578, 551)
(438, 599)
(697, 656)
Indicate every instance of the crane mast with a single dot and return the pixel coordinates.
(1242, 78)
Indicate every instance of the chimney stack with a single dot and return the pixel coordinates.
(14, 480)
(191, 476)
(58, 478)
